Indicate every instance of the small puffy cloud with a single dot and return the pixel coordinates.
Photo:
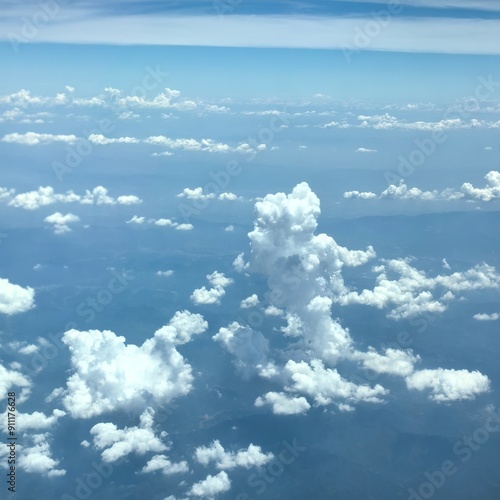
(99, 382)
(249, 347)
(251, 301)
(184, 227)
(15, 299)
(326, 386)
(45, 195)
(284, 404)
(38, 420)
(445, 264)
(229, 229)
(366, 150)
(207, 296)
(34, 138)
(487, 317)
(211, 486)
(212, 295)
(36, 458)
(449, 385)
(165, 466)
(118, 443)
(489, 193)
(129, 199)
(14, 378)
(165, 274)
(137, 220)
(273, 311)
(251, 457)
(392, 362)
(99, 139)
(365, 195)
(199, 194)
(61, 222)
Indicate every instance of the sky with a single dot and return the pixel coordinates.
(249, 249)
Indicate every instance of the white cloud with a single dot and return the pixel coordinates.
(38, 420)
(251, 457)
(449, 385)
(251, 301)
(44, 196)
(366, 195)
(163, 464)
(34, 138)
(101, 140)
(165, 274)
(365, 150)
(211, 486)
(284, 404)
(198, 194)
(487, 317)
(403, 34)
(118, 443)
(61, 222)
(99, 383)
(37, 458)
(412, 293)
(229, 229)
(160, 222)
(249, 347)
(14, 378)
(488, 193)
(212, 295)
(393, 361)
(15, 299)
(326, 386)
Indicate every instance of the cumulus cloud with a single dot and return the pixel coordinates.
(488, 193)
(99, 383)
(249, 347)
(15, 299)
(34, 138)
(366, 195)
(449, 385)
(325, 385)
(198, 194)
(251, 457)
(36, 458)
(283, 404)
(14, 378)
(61, 222)
(211, 486)
(412, 293)
(162, 222)
(45, 195)
(251, 301)
(366, 150)
(165, 466)
(487, 317)
(165, 274)
(118, 443)
(304, 275)
(212, 295)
